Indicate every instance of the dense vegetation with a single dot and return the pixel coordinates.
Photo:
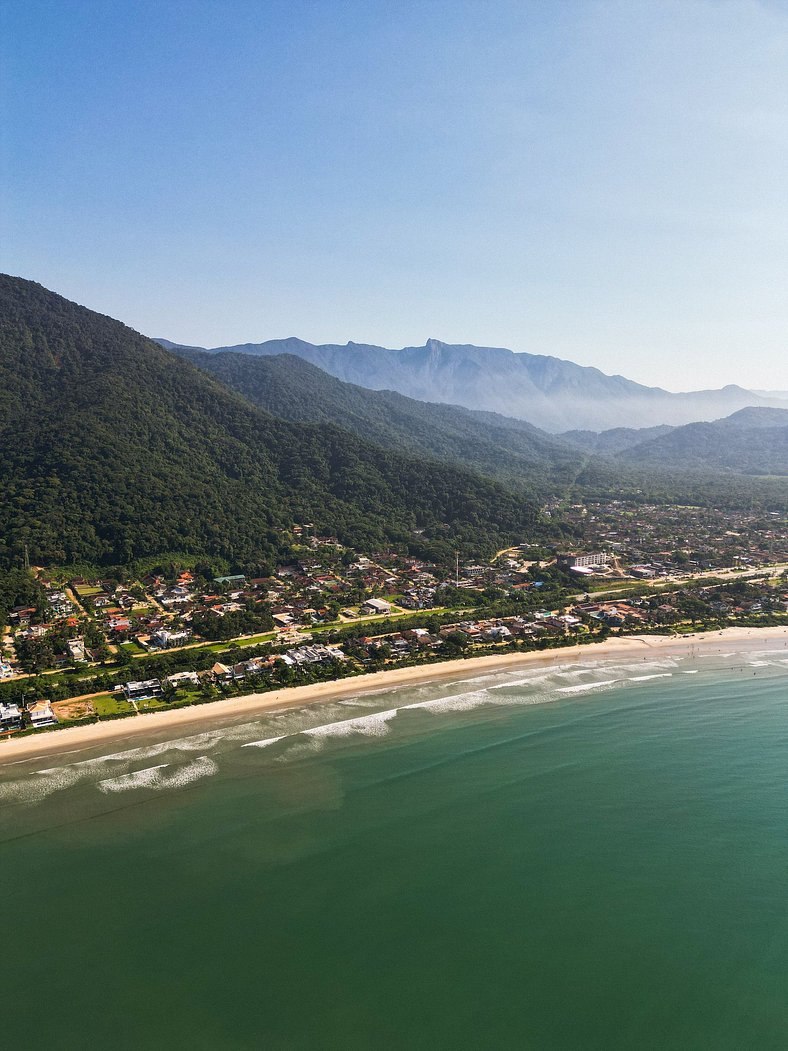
(115, 449)
(752, 441)
(508, 450)
(18, 588)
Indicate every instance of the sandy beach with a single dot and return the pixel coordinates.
(198, 717)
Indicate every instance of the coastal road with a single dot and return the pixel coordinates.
(632, 585)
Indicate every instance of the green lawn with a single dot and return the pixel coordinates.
(152, 704)
(132, 647)
(86, 591)
(111, 704)
(256, 640)
(394, 615)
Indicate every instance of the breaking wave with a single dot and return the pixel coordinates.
(154, 776)
(169, 764)
(583, 687)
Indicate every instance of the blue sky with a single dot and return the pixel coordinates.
(603, 181)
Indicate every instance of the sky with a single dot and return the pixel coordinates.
(604, 181)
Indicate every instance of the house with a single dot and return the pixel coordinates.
(498, 632)
(76, 650)
(164, 639)
(184, 678)
(419, 598)
(313, 655)
(176, 596)
(142, 691)
(41, 714)
(243, 668)
(474, 571)
(10, 717)
(376, 606)
(59, 604)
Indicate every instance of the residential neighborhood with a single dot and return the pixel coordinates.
(330, 611)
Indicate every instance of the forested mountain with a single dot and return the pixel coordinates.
(501, 447)
(616, 440)
(509, 450)
(757, 418)
(114, 448)
(752, 441)
(550, 393)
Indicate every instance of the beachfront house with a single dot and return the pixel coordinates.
(10, 717)
(41, 715)
(142, 691)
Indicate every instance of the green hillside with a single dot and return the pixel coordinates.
(752, 441)
(510, 450)
(114, 448)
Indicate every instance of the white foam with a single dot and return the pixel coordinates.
(460, 702)
(265, 743)
(376, 724)
(138, 779)
(39, 784)
(533, 680)
(656, 675)
(152, 776)
(584, 686)
(373, 725)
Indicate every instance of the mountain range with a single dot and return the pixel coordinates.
(510, 450)
(548, 392)
(751, 441)
(114, 449)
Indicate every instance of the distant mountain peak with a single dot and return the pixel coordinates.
(549, 392)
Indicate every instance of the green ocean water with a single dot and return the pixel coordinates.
(594, 856)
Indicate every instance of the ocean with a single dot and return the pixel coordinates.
(591, 855)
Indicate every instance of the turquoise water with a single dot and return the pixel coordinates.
(594, 856)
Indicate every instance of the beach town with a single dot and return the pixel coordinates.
(97, 649)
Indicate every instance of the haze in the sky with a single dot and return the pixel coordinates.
(603, 181)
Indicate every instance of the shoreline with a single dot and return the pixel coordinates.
(68, 738)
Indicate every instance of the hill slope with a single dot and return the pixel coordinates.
(508, 449)
(115, 448)
(615, 440)
(550, 393)
(752, 441)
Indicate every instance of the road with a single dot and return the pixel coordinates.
(711, 574)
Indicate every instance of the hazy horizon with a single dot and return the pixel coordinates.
(367, 343)
(603, 182)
